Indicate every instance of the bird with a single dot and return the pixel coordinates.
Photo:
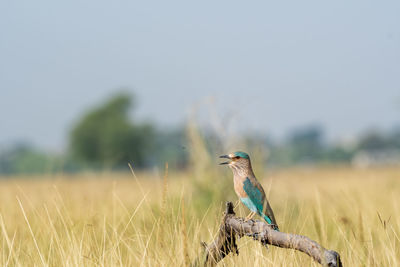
(248, 188)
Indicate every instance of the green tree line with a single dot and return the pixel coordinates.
(107, 137)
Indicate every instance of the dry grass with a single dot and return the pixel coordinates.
(117, 220)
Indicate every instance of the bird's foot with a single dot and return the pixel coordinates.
(250, 216)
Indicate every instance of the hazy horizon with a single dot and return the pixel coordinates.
(268, 67)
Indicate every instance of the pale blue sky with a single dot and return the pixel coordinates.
(270, 65)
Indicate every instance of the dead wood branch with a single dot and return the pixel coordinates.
(232, 227)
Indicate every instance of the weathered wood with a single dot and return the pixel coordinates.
(232, 227)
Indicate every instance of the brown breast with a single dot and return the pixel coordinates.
(238, 185)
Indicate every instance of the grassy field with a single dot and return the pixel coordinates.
(122, 220)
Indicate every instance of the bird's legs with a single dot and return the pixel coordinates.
(250, 216)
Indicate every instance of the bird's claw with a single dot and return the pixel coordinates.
(249, 217)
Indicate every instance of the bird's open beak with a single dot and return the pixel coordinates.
(224, 157)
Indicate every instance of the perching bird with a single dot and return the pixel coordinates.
(248, 189)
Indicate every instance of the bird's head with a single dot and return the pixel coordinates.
(237, 160)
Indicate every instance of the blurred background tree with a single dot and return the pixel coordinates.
(171, 146)
(306, 144)
(25, 159)
(105, 137)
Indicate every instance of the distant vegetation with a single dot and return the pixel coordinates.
(107, 137)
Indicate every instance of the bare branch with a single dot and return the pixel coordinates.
(232, 227)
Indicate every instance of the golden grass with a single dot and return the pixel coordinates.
(118, 220)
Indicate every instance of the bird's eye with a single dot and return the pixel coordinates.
(236, 158)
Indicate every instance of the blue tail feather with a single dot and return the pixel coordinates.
(269, 221)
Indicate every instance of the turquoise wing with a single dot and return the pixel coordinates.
(249, 204)
(255, 198)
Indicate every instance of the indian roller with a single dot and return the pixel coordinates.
(248, 189)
